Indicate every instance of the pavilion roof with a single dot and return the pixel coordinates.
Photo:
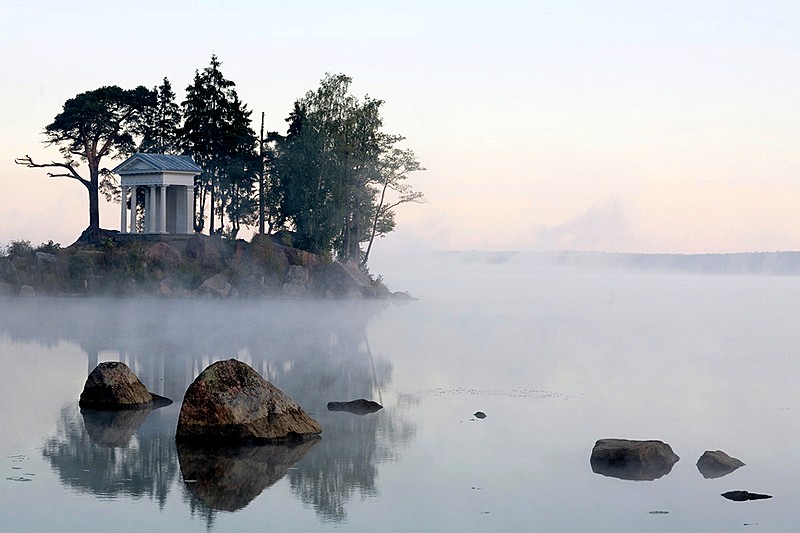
(141, 163)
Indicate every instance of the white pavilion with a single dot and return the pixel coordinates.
(168, 181)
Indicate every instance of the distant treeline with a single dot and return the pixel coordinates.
(748, 263)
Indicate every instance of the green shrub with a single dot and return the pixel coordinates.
(20, 248)
(80, 268)
(48, 247)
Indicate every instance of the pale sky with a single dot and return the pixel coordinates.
(611, 125)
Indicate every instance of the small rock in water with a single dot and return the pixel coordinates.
(357, 407)
(659, 512)
(743, 496)
(717, 464)
(480, 414)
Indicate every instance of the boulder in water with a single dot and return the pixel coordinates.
(638, 460)
(230, 402)
(717, 464)
(113, 385)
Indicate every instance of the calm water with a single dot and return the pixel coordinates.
(556, 357)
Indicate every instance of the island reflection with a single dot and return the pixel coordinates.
(315, 352)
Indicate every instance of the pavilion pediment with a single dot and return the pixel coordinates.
(136, 166)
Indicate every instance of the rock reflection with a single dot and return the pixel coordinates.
(632, 472)
(228, 478)
(144, 466)
(314, 352)
(113, 428)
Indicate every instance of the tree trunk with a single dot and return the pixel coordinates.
(212, 199)
(375, 223)
(94, 202)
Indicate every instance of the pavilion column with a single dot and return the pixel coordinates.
(133, 209)
(123, 210)
(162, 209)
(189, 209)
(148, 209)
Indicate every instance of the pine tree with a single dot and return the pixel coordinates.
(217, 133)
(162, 123)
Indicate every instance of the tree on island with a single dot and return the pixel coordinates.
(335, 178)
(92, 126)
(161, 123)
(334, 168)
(217, 133)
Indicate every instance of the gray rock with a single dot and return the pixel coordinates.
(297, 273)
(217, 286)
(717, 464)
(743, 496)
(294, 288)
(163, 254)
(43, 257)
(205, 250)
(113, 385)
(345, 280)
(357, 407)
(639, 460)
(230, 402)
(27, 291)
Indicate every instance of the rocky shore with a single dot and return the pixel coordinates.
(196, 266)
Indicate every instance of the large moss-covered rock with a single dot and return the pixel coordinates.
(229, 401)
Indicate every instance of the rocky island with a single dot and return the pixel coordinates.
(183, 267)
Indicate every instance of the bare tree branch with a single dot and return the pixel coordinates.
(71, 172)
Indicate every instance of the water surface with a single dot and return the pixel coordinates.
(557, 358)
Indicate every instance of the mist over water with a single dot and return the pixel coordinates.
(558, 354)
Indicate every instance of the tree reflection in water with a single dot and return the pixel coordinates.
(144, 466)
(315, 352)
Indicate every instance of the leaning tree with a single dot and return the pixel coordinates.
(92, 126)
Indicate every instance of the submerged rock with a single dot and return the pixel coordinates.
(638, 460)
(229, 401)
(717, 464)
(113, 385)
(743, 496)
(357, 407)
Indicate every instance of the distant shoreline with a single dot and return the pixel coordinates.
(736, 263)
